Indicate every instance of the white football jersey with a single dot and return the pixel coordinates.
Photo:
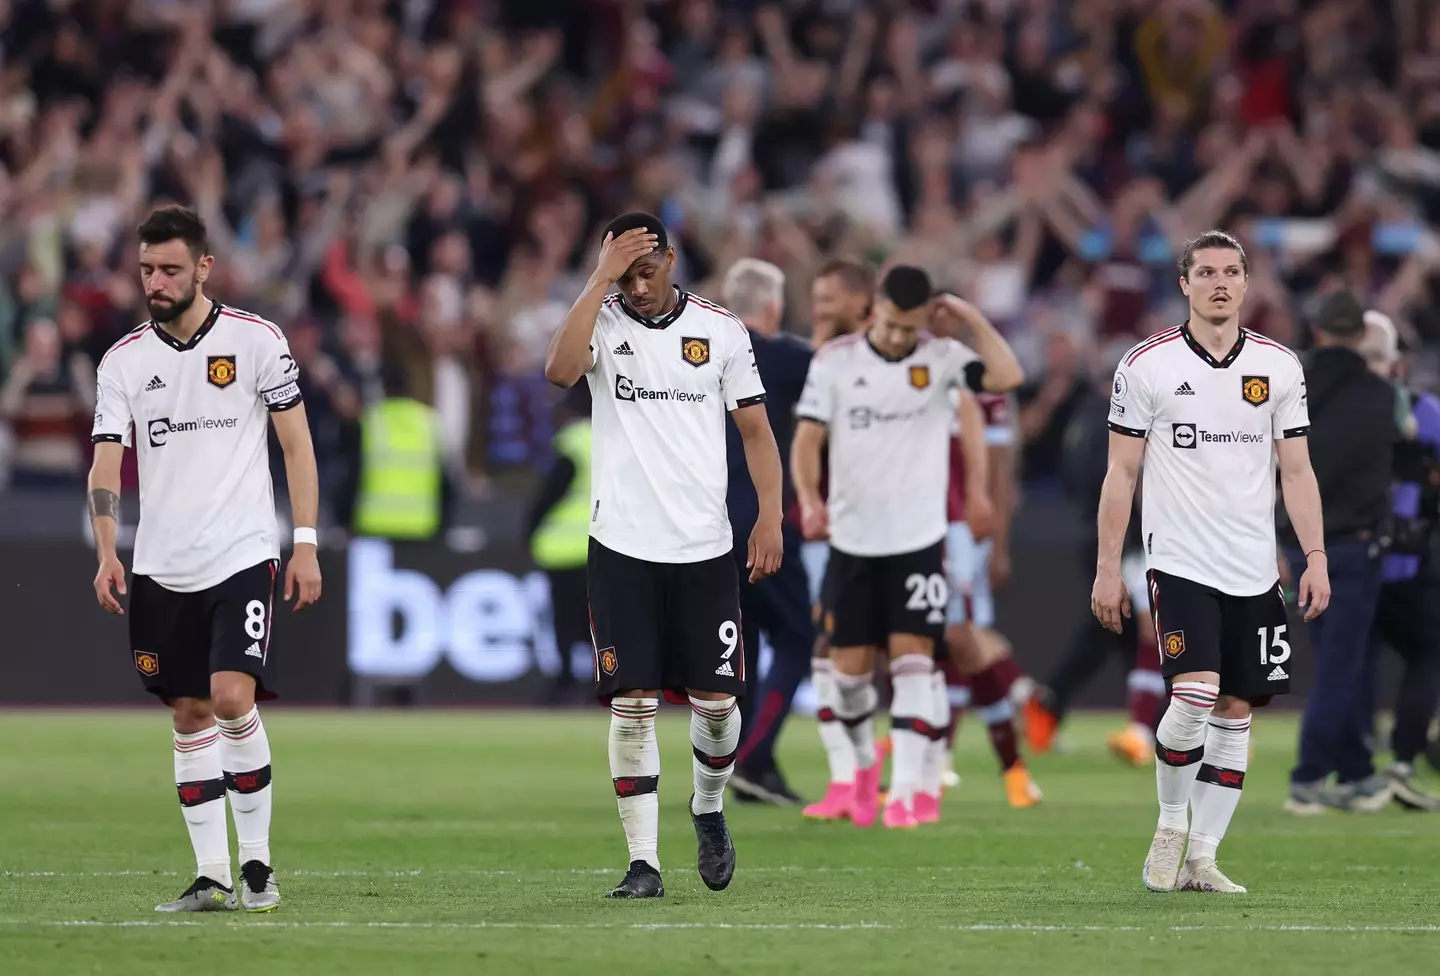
(1208, 495)
(197, 414)
(660, 390)
(889, 424)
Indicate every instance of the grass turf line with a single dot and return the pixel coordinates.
(474, 842)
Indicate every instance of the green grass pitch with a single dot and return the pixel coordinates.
(462, 842)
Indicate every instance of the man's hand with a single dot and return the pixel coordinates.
(302, 576)
(111, 571)
(766, 549)
(814, 521)
(1109, 601)
(1315, 586)
(999, 568)
(980, 515)
(618, 253)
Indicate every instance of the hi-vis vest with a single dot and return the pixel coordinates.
(563, 538)
(399, 471)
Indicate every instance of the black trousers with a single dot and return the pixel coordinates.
(780, 606)
(1408, 619)
(570, 608)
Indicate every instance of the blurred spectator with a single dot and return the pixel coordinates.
(47, 400)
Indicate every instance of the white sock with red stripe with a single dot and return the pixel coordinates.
(839, 750)
(1218, 783)
(635, 769)
(856, 711)
(245, 757)
(937, 751)
(910, 709)
(1179, 747)
(714, 736)
(201, 786)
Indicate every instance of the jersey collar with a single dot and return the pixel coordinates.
(664, 321)
(891, 359)
(206, 326)
(1204, 354)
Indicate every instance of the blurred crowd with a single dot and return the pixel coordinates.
(416, 184)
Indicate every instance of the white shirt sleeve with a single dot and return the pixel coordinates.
(739, 375)
(1292, 411)
(1132, 407)
(113, 421)
(817, 401)
(276, 374)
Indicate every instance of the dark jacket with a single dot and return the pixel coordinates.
(783, 362)
(1353, 432)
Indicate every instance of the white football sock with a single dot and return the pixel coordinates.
(937, 753)
(839, 750)
(714, 736)
(1179, 747)
(245, 757)
(1216, 792)
(858, 701)
(201, 786)
(635, 769)
(910, 708)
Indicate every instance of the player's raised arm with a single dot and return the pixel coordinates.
(979, 507)
(1002, 370)
(104, 493)
(570, 356)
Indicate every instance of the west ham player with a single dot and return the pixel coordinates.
(664, 368)
(979, 665)
(191, 390)
(840, 300)
(882, 399)
(1209, 407)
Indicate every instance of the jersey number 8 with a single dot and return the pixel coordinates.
(255, 620)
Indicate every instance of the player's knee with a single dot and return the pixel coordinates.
(1227, 706)
(902, 645)
(232, 694)
(191, 715)
(852, 660)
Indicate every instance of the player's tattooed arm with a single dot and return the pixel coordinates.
(104, 503)
(104, 497)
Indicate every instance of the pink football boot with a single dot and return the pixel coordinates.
(926, 808)
(836, 804)
(867, 796)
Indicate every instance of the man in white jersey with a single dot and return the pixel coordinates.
(882, 399)
(191, 390)
(664, 368)
(1209, 407)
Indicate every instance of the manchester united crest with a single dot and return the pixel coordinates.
(220, 370)
(146, 663)
(920, 377)
(607, 660)
(1255, 389)
(1175, 643)
(696, 351)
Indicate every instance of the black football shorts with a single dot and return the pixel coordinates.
(1242, 638)
(665, 626)
(178, 640)
(868, 598)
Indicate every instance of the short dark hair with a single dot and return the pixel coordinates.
(172, 222)
(1211, 239)
(857, 278)
(638, 219)
(907, 286)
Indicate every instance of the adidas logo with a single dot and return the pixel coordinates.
(1184, 390)
(725, 670)
(1278, 674)
(254, 650)
(935, 617)
(156, 383)
(624, 349)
